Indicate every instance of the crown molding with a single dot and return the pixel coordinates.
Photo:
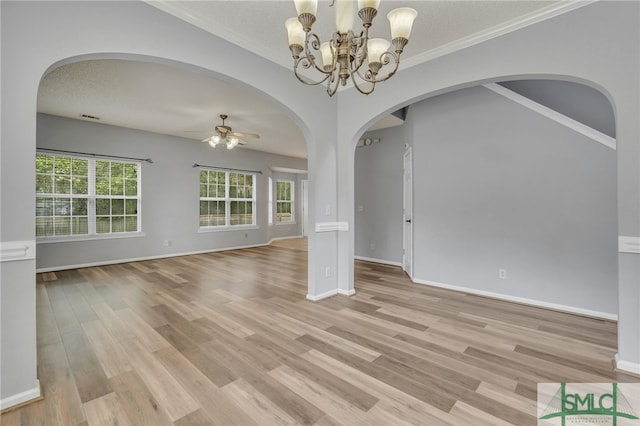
(507, 27)
(172, 7)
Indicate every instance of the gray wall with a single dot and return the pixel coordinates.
(378, 191)
(169, 193)
(498, 186)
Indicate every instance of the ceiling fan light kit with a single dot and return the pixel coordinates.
(226, 135)
(346, 54)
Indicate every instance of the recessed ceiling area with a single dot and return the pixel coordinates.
(165, 99)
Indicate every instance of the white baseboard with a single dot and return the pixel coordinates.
(293, 237)
(138, 259)
(160, 256)
(315, 298)
(523, 300)
(347, 292)
(331, 293)
(20, 398)
(384, 262)
(630, 367)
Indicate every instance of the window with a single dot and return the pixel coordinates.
(77, 196)
(226, 199)
(284, 201)
(270, 204)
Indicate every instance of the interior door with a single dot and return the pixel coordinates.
(407, 204)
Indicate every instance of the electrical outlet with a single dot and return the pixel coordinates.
(372, 246)
(327, 271)
(167, 243)
(502, 274)
(327, 210)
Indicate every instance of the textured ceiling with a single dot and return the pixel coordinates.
(185, 103)
(168, 100)
(258, 26)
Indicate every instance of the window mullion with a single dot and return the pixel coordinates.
(91, 207)
(227, 197)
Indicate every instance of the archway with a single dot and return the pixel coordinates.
(158, 109)
(484, 156)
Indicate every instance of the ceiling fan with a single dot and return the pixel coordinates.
(225, 134)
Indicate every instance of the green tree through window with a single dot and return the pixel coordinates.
(85, 196)
(284, 201)
(226, 198)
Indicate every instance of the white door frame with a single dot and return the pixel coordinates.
(407, 213)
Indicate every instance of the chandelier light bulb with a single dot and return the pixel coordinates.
(344, 15)
(327, 54)
(401, 21)
(306, 6)
(374, 4)
(294, 32)
(375, 48)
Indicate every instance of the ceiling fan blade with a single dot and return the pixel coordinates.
(241, 142)
(246, 135)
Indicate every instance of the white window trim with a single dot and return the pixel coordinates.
(227, 203)
(293, 205)
(71, 238)
(220, 228)
(91, 203)
(270, 203)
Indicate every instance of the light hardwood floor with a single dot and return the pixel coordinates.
(228, 338)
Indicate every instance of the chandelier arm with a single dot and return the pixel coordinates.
(336, 82)
(315, 44)
(303, 61)
(360, 89)
(360, 50)
(387, 56)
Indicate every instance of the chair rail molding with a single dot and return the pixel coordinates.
(332, 226)
(11, 251)
(628, 244)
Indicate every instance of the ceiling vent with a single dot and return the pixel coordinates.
(90, 117)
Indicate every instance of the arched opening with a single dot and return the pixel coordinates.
(506, 179)
(137, 107)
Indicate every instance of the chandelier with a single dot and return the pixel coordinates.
(346, 54)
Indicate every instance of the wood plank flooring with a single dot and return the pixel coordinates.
(228, 338)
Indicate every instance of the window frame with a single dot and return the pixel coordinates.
(227, 199)
(278, 201)
(91, 197)
(270, 202)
